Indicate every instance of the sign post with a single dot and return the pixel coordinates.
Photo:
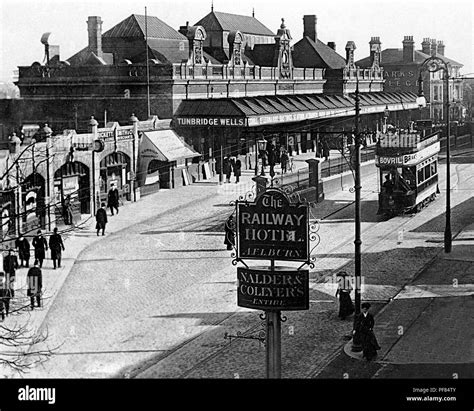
(272, 228)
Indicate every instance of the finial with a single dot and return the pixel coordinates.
(282, 23)
(253, 11)
(212, 5)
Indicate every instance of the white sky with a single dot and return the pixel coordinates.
(22, 22)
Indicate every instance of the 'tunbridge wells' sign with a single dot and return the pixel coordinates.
(273, 228)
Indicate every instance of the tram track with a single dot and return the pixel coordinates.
(402, 221)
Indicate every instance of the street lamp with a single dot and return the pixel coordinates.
(386, 113)
(262, 145)
(434, 64)
(356, 340)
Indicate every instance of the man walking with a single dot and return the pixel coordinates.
(5, 295)
(41, 246)
(56, 246)
(34, 280)
(10, 265)
(101, 219)
(23, 246)
(113, 199)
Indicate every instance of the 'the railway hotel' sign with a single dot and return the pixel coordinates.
(273, 228)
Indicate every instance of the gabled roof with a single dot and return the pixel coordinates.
(319, 53)
(395, 56)
(218, 21)
(136, 25)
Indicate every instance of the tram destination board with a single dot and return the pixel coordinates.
(280, 289)
(272, 228)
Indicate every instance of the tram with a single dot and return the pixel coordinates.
(408, 165)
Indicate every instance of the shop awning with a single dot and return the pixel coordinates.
(262, 110)
(165, 145)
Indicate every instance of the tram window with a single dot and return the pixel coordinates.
(433, 168)
(421, 176)
(427, 172)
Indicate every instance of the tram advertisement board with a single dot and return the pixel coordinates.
(282, 288)
(272, 228)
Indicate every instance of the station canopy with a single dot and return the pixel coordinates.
(263, 110)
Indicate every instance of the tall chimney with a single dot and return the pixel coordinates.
(426, 45)
(408, 49)
(350, 47)
(375, 51)
(94, 28)
(440, 48)
(309, 27)
(433, 47)
(332, 44)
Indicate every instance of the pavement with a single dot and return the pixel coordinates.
(422, 316)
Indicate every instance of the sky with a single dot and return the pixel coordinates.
(22, 23)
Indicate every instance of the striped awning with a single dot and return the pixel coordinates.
(263, 110)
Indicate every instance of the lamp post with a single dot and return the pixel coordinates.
(262, 144)
(356, 342)
(386, 113)
(434, 64)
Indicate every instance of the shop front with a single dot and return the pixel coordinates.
(165, 161)
(115, 169)
(72, 190)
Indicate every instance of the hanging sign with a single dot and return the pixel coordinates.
(272, 228)
(278, 289)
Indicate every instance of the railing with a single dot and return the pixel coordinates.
(363, 74)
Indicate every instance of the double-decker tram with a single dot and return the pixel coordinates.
(408, 166)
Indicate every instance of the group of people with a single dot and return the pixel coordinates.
(363, 330)
(232, 164)
(113, 200)
(34, 276)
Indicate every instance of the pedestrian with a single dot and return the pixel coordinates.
(34, 280)
(67, 211)
(271, 157)
(344, 288)
(284, 161)
(5, 296)
(319, 149)
(10, 265)
(101, 219)
(229, 228)
(227, 169)
(364, 332)
(23, 247)
(113, 199)
(237, 170)
(41, 246)
(56, 246)
(326, 151)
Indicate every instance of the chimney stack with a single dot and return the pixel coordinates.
(433, 47)
(350, 47)
(184, 29)
(309, 27)
(440, 48)
(332, 44)
(408, 49)
(94, 28)
(426, 45)
(375, 51)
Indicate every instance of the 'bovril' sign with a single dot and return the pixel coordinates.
(277, 289)
(273, 229)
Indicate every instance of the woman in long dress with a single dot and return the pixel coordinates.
(364, 327)
(344, 288)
